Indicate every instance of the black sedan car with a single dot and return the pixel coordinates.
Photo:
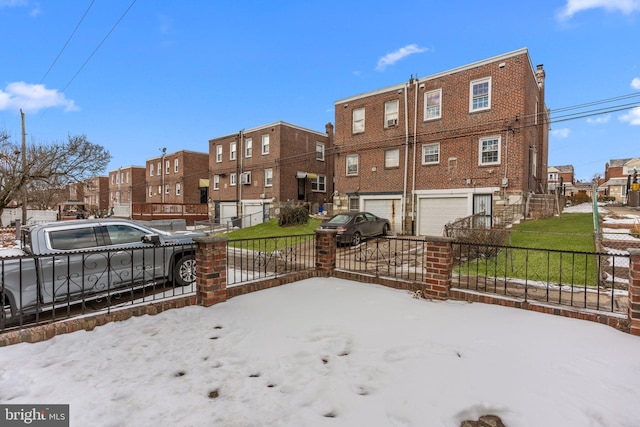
(352, 227)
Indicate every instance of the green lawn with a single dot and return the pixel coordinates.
(552, 253)
(272, 229)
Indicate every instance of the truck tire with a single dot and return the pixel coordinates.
(184, 271)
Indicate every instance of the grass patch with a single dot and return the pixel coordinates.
(269, 229)
(532, 255)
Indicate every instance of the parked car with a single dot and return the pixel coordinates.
(75, 260)
(352, 227)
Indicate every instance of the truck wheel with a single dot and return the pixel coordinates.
(184, 272)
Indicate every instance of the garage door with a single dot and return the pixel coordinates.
(251, 214)
(385, 208)
(434, 213)
(228, 211)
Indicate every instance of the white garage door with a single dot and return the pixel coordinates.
(434, 213)
(251, 214)
(390, 209)
(227, 212)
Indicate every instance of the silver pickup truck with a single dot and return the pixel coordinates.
(68, 261)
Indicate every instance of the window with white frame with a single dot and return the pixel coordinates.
(113, 178)
(218, 153)
(232, 151)
(159, 169)
(480, 96)
(534, 161)
(265, 144)
(127, 175)
(248, 149)
(319, 184)
(268, 177)
(151, 191)
(489, 151)
(233, 179)
(216, 182)
(159, 189)
(358, 120)
(432, 104)
(320, 151)
(431, 154)
(354, 204)
(151, 169)
(166, 189)
(175, 166)
(391, 113)
(352, 164)
(177, 189)
(392, 158)
(167, 167)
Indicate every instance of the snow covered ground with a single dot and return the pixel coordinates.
(331, 352)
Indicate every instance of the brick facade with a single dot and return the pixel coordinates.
(127, 185)
(96, 194)
(182, 179)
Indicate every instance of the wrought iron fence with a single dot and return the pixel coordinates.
(391, 257)
(47, 288)
(256, 259)
(595, 281)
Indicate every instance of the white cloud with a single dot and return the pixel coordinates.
(32, 98)
(393, 57)
(574, 6)
(632, 117)
(13, 3)
(635, 83)
(599, 119)
(560, 133)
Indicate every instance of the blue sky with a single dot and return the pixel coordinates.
(138, 75)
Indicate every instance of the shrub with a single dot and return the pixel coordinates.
(580, 197)
(293, 216)
(635, 230)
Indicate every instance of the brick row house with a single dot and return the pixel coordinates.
(178, 178)
(257, 168)
(618, 177)
(95, 194)
(126, 187)
(471, 140)
(561, 179)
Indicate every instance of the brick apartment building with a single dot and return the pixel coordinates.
(273, 163)
(178, 178)
(126, 186)
(618, 175)
(470, 140)
(561, 178)
(95, 193)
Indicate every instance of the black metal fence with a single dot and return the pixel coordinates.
(47, 288)
(595, 281)
(390, 257)
(256, 259)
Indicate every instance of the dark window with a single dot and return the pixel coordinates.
(120, 234)
(73, 239)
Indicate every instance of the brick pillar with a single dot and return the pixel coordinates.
(439, 266)
(211, 270)
(325, 252)
(634, 291)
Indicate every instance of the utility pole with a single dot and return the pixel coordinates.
(24, 170)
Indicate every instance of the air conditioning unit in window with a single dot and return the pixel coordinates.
(245, 178)
(392, 122)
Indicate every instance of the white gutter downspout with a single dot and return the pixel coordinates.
(415, 143)
(406, 157)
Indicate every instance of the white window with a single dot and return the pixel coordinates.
(233, 179)
(319, 151)
(127, 175)
(265, 144)
(319, 184)
(480, 97)
(431, 154)
(392, 158)
(151, 169)
(248, 147)
(113, 178)
(352, 164)
(159, 189)
(245, 178)
(166, 189)
(534, 162)
(151, 191)
(358, 120)
(218, 153)
(391, 113)
(178, 189)
(432, 104)
(489, 151)
(216, 182)
(175, 166)
(232, 151)
(268, 177)
(167, 167)
(159, 169)
(354, 204)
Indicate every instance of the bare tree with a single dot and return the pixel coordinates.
(51, 165)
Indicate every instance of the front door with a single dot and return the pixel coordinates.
(302, 188)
